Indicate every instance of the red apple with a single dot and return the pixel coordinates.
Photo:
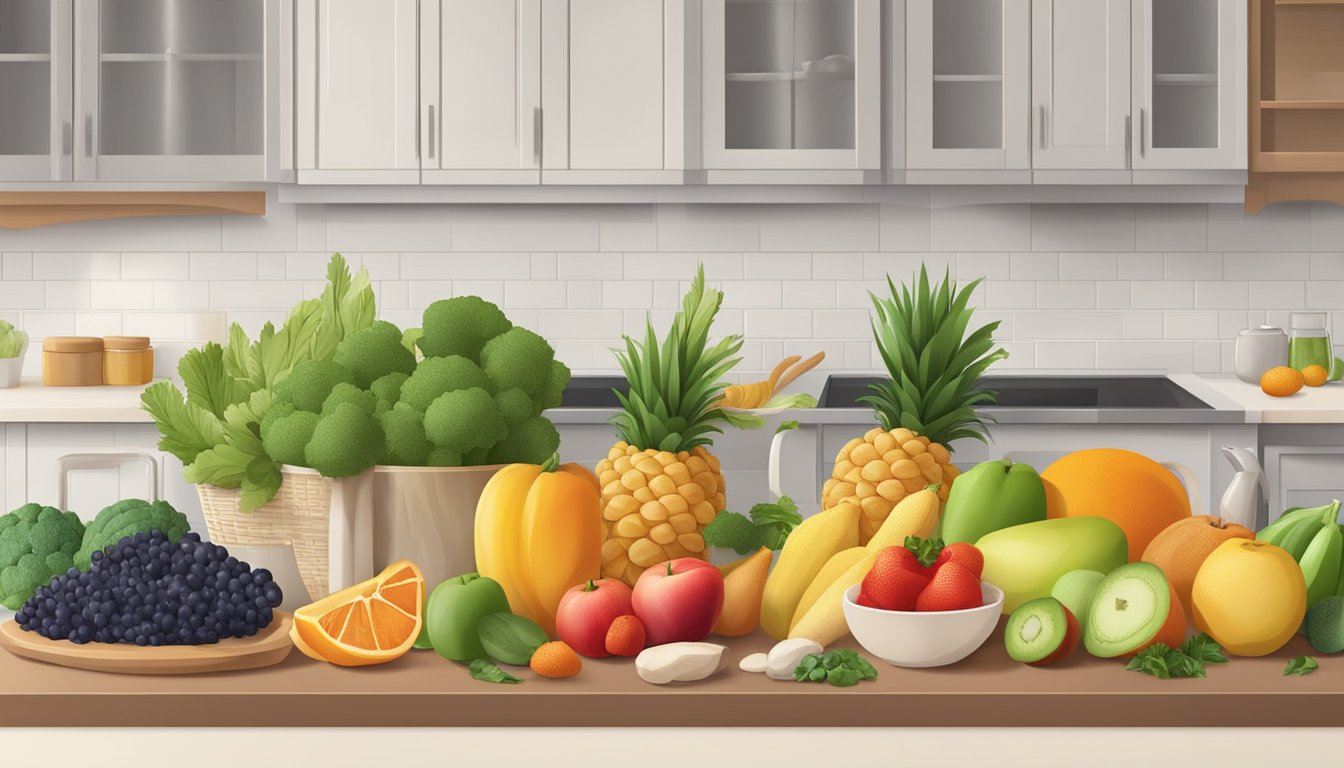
(586, 612)
(679, 600)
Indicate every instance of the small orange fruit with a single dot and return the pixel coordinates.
(1314, 375)
(556, 659)
(1281, 382)
(373, 622)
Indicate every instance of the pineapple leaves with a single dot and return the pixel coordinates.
(935, 367)
(673, 386)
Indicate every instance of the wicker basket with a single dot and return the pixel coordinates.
(298, 516)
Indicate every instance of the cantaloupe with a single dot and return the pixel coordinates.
(1127, 488)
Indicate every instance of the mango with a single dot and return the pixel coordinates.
(991, 496)
(1026, 560)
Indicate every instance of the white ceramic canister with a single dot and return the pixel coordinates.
(1258, 350)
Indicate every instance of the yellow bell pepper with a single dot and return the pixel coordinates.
(538, 533)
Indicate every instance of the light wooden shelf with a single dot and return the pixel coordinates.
(1309, 2)
(25, 210)
(1298, 162)
(1302, 104)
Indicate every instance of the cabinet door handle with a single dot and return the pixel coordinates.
(536, 135)
(1129, 141)
(1143, 132)
(88, 135)
(1040, 119)
(431, 131)
(67, 138)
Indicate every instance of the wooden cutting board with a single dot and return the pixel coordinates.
(269, 646)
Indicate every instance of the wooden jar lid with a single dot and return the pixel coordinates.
(126, 343)
(72, 344)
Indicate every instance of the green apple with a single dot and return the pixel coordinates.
(990, 496)
(1026, 560)
(1074, 589)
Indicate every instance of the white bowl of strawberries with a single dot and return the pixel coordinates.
(923, 605)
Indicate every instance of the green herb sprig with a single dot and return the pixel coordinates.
(841, 668)
(1300, 666)
(1165, 663)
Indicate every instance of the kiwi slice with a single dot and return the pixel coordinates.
(1041, 631)
(1132, 608)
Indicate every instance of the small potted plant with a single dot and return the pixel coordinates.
(13, 345)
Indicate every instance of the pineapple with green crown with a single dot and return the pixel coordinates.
(929, 401)
(660, 484)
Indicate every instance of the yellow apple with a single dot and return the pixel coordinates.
(1249, 596)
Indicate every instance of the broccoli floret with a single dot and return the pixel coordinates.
(308, 385)
(518, 358)
(461, 326)
(345, 442)
(438, 375)
(276, 412)
(405, 444)
(730, 530)
(477, 457)
(531, 442)
(349, 393)
(286, 439)
(515, 405)
(373, 352)
(388, 390)
(554, 394)
(127, 518)
(444, 457)
(36, 543)
(465, 420)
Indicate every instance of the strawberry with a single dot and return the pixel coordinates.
(625, 636)
(895, 580)
(953, 588)
(865, 600)
(963, 553)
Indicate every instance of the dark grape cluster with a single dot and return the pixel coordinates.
(149, 591)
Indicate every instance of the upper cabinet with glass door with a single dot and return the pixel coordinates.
(175, 89)
(1189, 84)
(968, 87)
(36, 133)
(792, 84)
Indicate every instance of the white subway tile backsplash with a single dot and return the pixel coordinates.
(16, 266)
(634, 294)
(1266, 266)
(1088, 266)
(536, 294)
(1277, 294)
(61, 294)
(1201, 324)
(1194, 266)
(1034, 266)
(777, 266)
(1168, 294)
(1171, 227)
(981, 228)
(1222, 295)
(40, 325)
(1066, 294)
(1106, 286)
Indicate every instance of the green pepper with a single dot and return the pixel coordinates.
(455, 608)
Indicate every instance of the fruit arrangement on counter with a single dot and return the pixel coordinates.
(915, 561)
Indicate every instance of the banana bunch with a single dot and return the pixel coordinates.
(1315, 539)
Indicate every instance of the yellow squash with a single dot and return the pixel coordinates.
(743, 586)
(538, 533)
(839, 563)
(806, 550)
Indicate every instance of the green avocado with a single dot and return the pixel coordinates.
(991, 496)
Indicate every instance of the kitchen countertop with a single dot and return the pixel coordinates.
(1233, 401)
(421, 689)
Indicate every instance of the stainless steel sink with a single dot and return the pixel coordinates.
(1089, 392)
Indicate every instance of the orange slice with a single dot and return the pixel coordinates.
(370, 623)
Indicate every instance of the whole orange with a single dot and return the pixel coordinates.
(1181, 548)
(1281, 382)
(1315, 375)
(1127, 488)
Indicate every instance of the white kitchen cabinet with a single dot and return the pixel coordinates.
(177, 90)
(1303, 476)
(1080, 86)
(1189, 84)
(967, 90)
(619, 90)
(357, 113)
(791, 85)
(36, 60)
(480, 91)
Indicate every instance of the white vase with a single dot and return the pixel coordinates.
(11, 368)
